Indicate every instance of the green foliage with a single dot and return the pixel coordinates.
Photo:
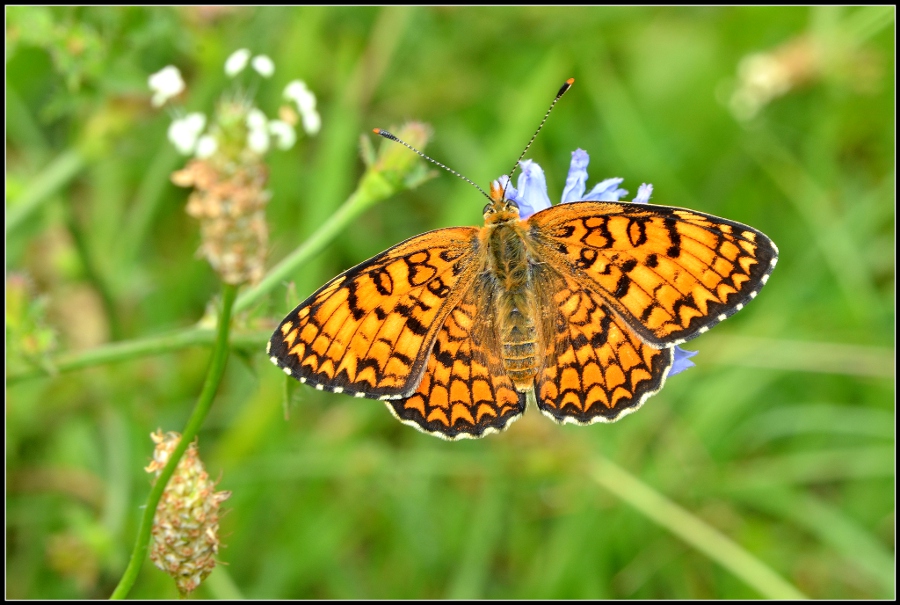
(766, 469)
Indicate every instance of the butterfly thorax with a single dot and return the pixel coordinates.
(509, 277)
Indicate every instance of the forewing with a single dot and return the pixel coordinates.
(368, 331)
(464, 392)
(669, 273)
(597, 368)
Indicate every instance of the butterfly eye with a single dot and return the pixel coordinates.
(512, 204)
(488, 208)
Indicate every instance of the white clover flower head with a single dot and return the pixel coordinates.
(183, 132)
(196, 121)
(207, 145)
(256, 119)
(312, 122)
(288, 114)
(765, 74)
(165, 84)
(263, 65)
(284, 134)
(762, 78)
(299, 93)
(258, 140)
(236, 62)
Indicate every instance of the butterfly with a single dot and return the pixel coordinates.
(576, 308)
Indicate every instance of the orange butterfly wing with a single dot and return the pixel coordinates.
(464, 391)
(629, 281)
(597, 368)
(669, 273)
(369, 331)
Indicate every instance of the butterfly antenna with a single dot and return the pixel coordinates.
(566, 86)
(392, 137)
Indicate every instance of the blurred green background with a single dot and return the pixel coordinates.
(781, 439)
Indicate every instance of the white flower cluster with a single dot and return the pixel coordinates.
(298, 92)
(165, 84)
(238, 60)
(764, 77)
(188, 132)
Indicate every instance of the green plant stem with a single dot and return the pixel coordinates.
(693, 530)
(213, 377)
(371, 189)
(134, 349)
(830, 525)
(146, 205)
(93, 273)
(43, 186)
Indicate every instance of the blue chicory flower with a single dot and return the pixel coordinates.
(643, 194)
(682, 360)
(531, 196)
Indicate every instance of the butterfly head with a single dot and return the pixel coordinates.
(501, 209)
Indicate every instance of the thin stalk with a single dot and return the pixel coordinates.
(348, 211)
(133, 349)
(44, 186)
(693, 531)
(213, 378)
(93, 273)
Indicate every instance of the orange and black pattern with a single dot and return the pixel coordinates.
(464, 391)
(597, 368)
(596, 293)
(368, 332)
(669, 273)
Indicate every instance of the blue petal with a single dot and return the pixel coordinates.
(511, 192)
(643, 194)
(577, 177)
(532, 189)
(682, 361)
(607, 191)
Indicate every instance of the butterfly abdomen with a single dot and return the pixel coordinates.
(518, 337)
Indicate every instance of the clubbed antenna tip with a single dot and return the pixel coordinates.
(562, 90)
(392, 137)
(385, 134)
